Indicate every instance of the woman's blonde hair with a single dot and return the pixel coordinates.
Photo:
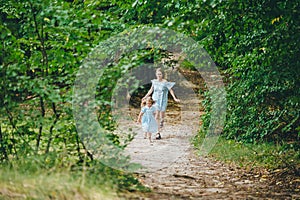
(164, 75)
(159, 70)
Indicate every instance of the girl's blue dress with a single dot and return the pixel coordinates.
(160, 93)
(149, 123)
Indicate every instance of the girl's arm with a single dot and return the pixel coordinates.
(173, 95)
(149, 93)
(140, 117)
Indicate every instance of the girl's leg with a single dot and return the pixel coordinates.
(149, 136)
(145, 135)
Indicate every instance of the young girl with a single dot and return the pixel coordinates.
(146, 117)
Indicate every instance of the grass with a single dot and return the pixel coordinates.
(266, 155)
(54, 186)
(31, 179)
(49, 185)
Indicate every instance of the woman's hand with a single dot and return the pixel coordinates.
(177, 100)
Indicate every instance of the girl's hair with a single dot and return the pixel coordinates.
(151, 100)
(144, 102)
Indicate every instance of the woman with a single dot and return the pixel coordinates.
(160, 88)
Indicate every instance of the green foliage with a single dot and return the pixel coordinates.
(256, 44)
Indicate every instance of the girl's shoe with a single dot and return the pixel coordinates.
(158, 136)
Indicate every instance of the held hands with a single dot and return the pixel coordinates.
(143, 99)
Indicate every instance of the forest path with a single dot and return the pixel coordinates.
(173, 170)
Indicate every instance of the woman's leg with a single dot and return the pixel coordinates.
(157, 115)
(162, 119)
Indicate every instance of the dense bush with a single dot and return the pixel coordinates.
(42, 46)
(257, 44)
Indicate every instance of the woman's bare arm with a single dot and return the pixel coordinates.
(173, 95)
(148, 93)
